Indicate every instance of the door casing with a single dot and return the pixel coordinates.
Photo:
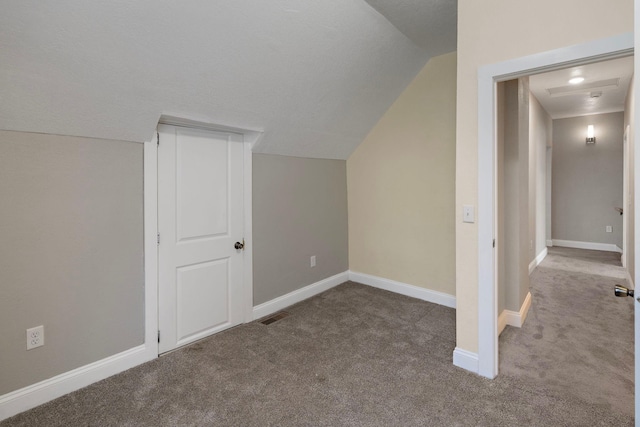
(488, 77)
(251, 138)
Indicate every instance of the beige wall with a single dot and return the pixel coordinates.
(401, 186)
(587, 179)
(629, 210)
(71, 253)
(492, 31)
(299, 210)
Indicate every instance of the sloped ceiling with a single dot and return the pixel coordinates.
(314, 76)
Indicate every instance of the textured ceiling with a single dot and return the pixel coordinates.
(315, 76)
(561, 99)
(431, 24)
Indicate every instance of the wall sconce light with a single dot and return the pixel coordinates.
(591, 136)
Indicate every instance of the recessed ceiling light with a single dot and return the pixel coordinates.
(576, 80)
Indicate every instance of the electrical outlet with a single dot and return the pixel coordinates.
(312, 261)
(609, 229)
(35, 337)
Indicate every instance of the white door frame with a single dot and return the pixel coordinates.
(151, 225)
(488, 76)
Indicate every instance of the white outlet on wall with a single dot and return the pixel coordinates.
(35, 337)
(609, 229)
(312, 261)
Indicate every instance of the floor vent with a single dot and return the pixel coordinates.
(269, 320)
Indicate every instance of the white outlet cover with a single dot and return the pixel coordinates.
(35, 337)
(313, 261)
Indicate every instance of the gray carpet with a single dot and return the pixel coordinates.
(359, 356)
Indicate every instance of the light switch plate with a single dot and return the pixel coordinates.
(468, 213)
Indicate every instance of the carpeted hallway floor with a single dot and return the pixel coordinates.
(359, 356)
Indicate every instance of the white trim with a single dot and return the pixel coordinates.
(31, 396)
(298, 295)
(609, 247)
(514, 318)
(517, 318)
(550, 243)
(466, 360)
(536, 262)
(404, 289)
(151, 245)
(596, 50)
(502, 321)
(247, 273)
(252, 136)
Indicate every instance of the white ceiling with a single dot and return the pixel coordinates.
(315, 76)
(431, 24)
(561, 99)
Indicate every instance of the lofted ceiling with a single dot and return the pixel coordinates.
(604, 89)
(313, 76)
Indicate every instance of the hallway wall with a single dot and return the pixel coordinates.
(540, 138)
(587, 179)
(629, 210)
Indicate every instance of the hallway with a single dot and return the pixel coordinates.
(577, 341)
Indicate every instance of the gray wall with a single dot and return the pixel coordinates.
(500, 214)
(540, 135)
(513, 187)
(629, 210)
(587, 179)
(71, 253)
(299, 210)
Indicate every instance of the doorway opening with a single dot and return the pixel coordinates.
(489, 76)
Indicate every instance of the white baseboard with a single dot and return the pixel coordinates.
(502, 321)
(34, 395)
(609, 247)
(466, 360)
(404, 289)
(516, 318)
(550, 243)
(536, 262)
(277, 304)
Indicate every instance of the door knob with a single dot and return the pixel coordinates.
(621, 291)
(239, 245)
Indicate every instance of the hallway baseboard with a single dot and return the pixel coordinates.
(536, 262)
(515, 318)
(609, 247)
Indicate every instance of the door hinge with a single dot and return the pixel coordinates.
(494, 243)
(158, 237)
(158, 335)
(158, 138)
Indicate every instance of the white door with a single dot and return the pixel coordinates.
(200, 219)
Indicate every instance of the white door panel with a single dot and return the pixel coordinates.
(200, 217)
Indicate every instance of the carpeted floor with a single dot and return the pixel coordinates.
(359, 356)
